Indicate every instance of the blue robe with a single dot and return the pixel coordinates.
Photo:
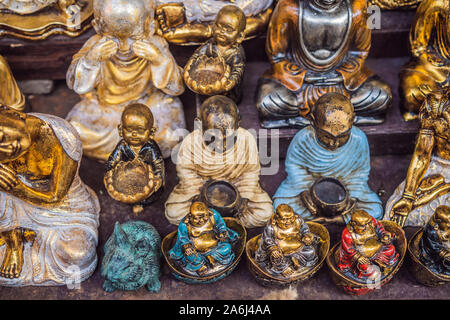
(307, 160)
(222, 253)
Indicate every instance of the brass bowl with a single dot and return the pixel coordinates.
(266, 279)
(221, 196)
(330, 196)
(354, 287)
(238, 248)
(421, 272)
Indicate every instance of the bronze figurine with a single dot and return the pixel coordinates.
(10, 94)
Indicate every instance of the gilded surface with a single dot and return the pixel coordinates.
(10, 94)
(395, 4)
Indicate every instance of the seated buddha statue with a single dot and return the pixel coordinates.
(429, 68)
(286, 244)
(203, 241)
(427, 183)
(366, 249)
(317, 47)
(10, 94)
(48, 216)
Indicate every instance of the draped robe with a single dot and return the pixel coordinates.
(10, 94)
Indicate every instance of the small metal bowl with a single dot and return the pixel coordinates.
(354, 287)
(330, 196)
(238, 248)
(266, 279)
(421, 272)
(221, 196)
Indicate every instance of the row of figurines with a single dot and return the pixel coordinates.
(50, 218)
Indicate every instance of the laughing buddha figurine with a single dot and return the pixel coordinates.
(124, 63)
(427, 183)
(10, 94)
(317, 47)
(48, 216)
(429, 68)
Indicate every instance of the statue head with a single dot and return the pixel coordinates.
(229, 27)
(332, 117)
(198, 214)
(15, 137)
(220, 119)
(360, 221)
(441, 218)
(284, 216)
(124, 20)
(136, 126)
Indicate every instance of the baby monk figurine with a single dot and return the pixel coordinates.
(366, 248)
(222, 57)
(287, 244)
(135, 152)
(435, 242)
(204, 241)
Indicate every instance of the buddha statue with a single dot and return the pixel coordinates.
(10, 94)
(124, 63)
(429, 68)
(333, 148)
(48, 216)
(427, 184)
(317, 47)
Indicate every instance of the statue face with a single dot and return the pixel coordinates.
(443, 218)
(14, 137)
(226, 29)
(219, 131)
(135, 129)
(285, 218)
(198, 218)
(332, 139)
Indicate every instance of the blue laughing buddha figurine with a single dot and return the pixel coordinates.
(332, 148)
(203, 244)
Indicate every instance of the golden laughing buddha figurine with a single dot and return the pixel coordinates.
(48, 216)
(317, 47)
(217, 67)
(231, 156)
(124, 63)
(427, 184)
(10, 94)
(429, 68)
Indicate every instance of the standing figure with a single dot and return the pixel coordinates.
(135, 170)
(317, 47)
(429, 68)
(48, 216)
(220, 150)
(427, 184)
(217, 67)
(331, 147)
(286, 245)
(10, 94)
(203, 242)
(124, 63)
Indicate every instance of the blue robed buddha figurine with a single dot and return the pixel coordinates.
(328, 165)
(203, 244)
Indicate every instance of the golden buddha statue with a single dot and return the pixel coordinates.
(39, 19)
(48, 217)
(429, 67)
(10, 94)
(124, 63)
(427, 184)
(192, 21)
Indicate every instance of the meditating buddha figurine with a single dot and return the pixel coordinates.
(10, 94)
(317, 47)
(217, 67)
(220, 150)
(429, 68)
(366, 251)
(332, 148)
(286, 244)
(203, 244)
(192, 21)
(124, 63)
(427, 184)
(48, 216)
(39, 19)
(435, 242)
(135, 170)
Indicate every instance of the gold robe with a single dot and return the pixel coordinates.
(10, 94)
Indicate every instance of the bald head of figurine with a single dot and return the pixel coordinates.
(284, 216)
(15, 138)
(198, 214)
(136, 126)
(360, 221)
(220, 119)
(442, 218)
(332, 117)
(229, 27)
(123, 20)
